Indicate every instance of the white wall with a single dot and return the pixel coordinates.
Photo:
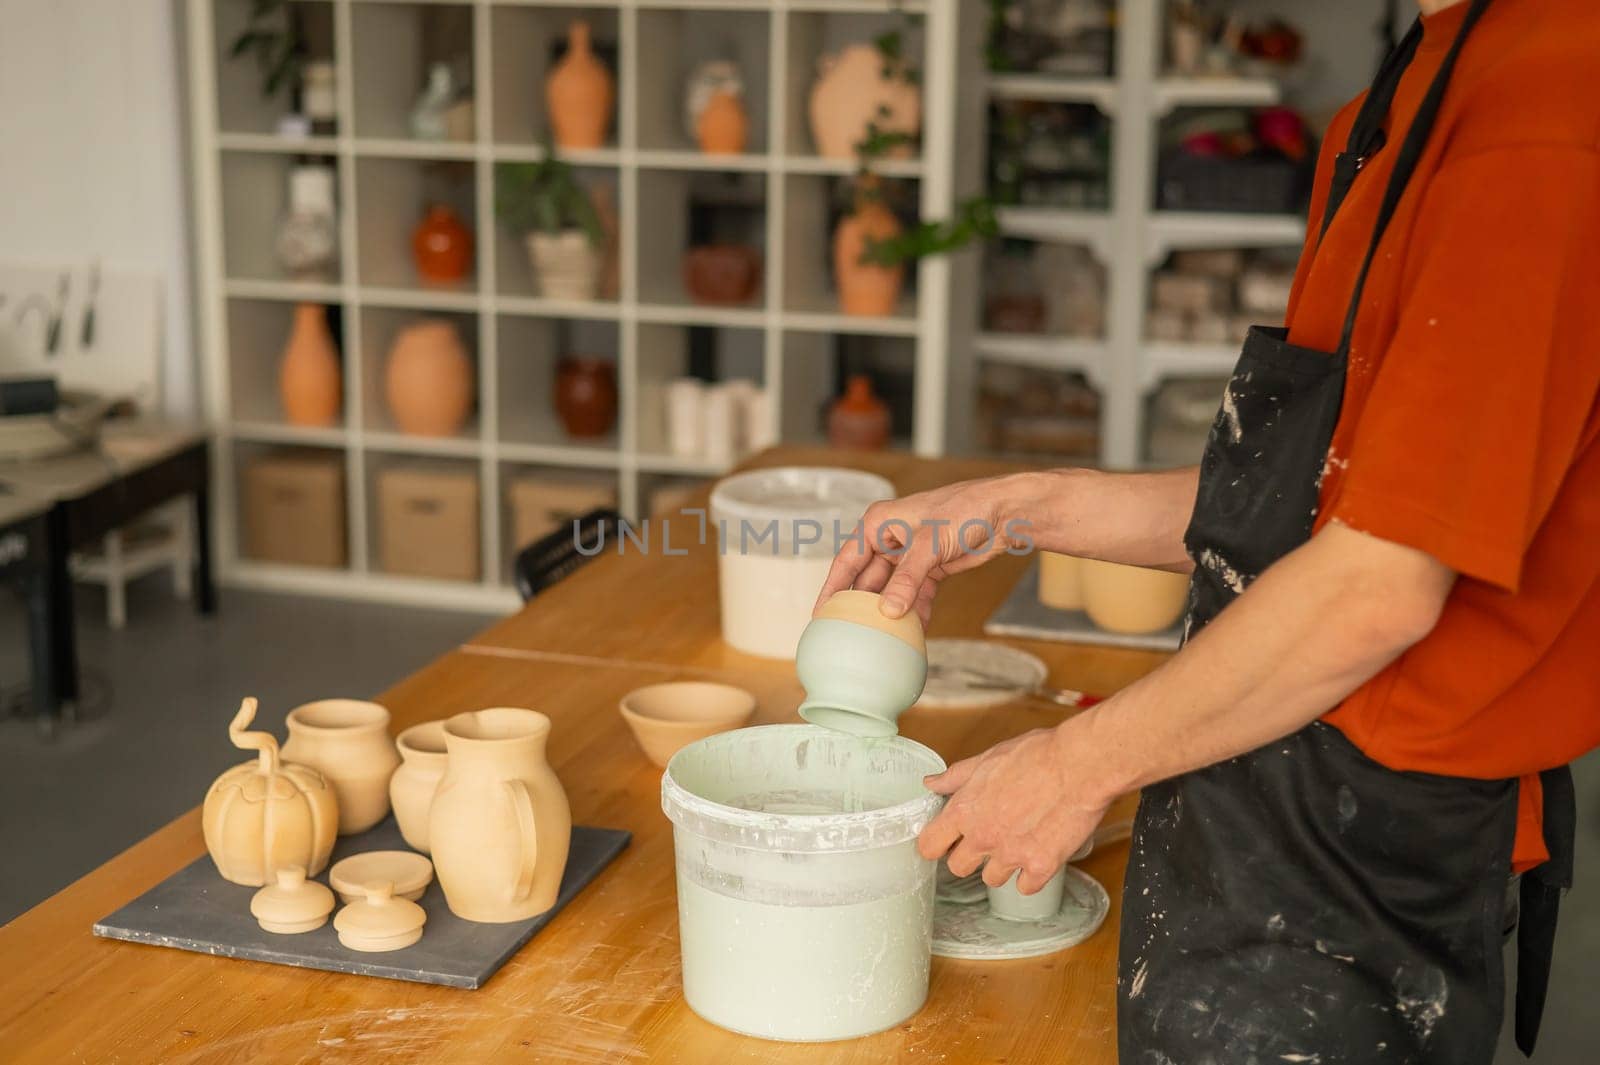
(92, 153)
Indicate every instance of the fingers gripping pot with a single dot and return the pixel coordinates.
(805, 912)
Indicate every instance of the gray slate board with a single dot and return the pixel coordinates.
(195, 909)
(1023, 615)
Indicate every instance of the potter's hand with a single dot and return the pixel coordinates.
(909, 545)
(1018, 805)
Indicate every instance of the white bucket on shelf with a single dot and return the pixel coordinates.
(777, 537)
(805, 912)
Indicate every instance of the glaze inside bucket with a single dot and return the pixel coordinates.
(805, 912)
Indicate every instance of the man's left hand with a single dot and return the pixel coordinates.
(1015, 806)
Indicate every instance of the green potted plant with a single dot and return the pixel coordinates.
(870, 246)
(543, 203)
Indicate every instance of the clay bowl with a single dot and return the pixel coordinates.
(722, 274)
(1060, 581)
(668, 717)
(861, 670)
(409, 873)
(1132, 599)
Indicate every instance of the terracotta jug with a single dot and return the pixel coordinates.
(428, 380)
(441, 245)
(723, 128)
(866, 289)
(308, 376)
(348, 741)
(855, 88)
(268, 814)
(500, 825)
(859, 420)
(586, 396)
(422, 764)
(579, 93)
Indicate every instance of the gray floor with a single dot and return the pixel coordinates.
(153, 735)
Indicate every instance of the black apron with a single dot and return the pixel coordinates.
(1302, 903)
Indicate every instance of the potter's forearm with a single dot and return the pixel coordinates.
(1312, 629)
(1137, 518)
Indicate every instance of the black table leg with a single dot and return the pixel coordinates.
(58, 579)
(41, 642)
(205, 591)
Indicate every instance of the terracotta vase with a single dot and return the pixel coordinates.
(722, 274)
(855, 88)
(566, 265)
(579, 93)
(586, 395)
(308, 375)
(441, 245)
(347, 740)
(866, 289)
(500, 825)
(268, 814)
(723, 128)
(859, 420)
(422, 763)
(428, 379)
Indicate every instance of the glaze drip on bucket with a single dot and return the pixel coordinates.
(805, 912)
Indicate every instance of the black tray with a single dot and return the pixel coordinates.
(195, 909)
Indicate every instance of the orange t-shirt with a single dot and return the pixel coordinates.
(1470, 427)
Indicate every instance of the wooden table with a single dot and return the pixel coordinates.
(136, 467)
(602, 982)
(24, 564)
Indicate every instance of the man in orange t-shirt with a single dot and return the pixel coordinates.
(1394, 536)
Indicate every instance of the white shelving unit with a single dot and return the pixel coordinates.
(240, 166)
(1130, 239)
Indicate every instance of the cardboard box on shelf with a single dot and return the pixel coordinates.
(541, 503)
(428, 522)
(293, 509)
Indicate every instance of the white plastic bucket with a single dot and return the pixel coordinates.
(805, 912)
(777, 533)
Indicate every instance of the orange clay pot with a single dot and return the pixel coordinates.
(579, 93)
(428, 379)
(308, 376)
(723, 127)
(442, 247)
(866, 289)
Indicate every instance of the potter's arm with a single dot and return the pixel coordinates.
(1137, 518)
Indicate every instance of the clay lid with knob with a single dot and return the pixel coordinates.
(381, 921)
(863, 609)
(291, 904)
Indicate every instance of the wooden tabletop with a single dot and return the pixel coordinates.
(602, 982)
(124, 446)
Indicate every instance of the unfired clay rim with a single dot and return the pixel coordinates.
(296, 719)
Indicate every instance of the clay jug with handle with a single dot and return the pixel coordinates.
(499, 825)
(866, 288)
(580, 93)
(308, 376)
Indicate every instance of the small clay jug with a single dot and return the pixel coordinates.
(348, 741)
(500, 826)
(428, 379)
(579, 93)
(441, 245)
(308, 375)
(267, 814)
(866, 289)
(422, 762)
(586, 396)
(859, 420)
(858, 87)
(723, 128)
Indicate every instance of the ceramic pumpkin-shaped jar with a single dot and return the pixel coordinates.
(858, 87)
(866, 288)
(579, 93)
(428, 379)
(269, 814)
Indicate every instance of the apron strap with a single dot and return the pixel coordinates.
(1406, 163)
(1540, 904)
(1367, 137)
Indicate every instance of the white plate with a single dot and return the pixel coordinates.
(949, 691)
